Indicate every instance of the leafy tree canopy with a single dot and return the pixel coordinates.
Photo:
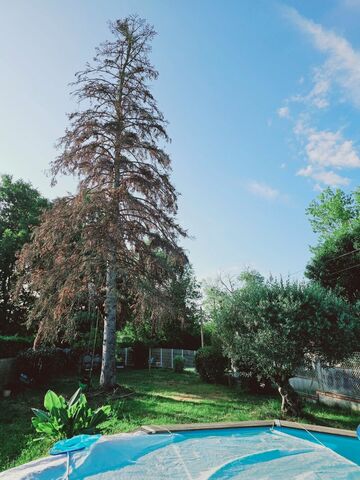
(332, 210)
(335, 215)
(21, 206)
(177, 323)
(336, 262)
(272, 327)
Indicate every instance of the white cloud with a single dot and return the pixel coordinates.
(318, 96)
(327, 177)
(284, 112)
(327, 153)
(325, 150)
(330, 149)
(341, 67)
(263, 190)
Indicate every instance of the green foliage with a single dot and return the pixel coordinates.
(45, 363)
(336, 258)
(210, 364)
(177, 310)
(273, 327)
(332, 210)
(11, 345)
(62, 419)
(336, 262)
(179, 364)
(20, 209)
(130, 334)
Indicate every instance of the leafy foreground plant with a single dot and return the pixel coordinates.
(65, 419)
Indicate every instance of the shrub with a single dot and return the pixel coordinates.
(179, 364)
(275, 327)
(140, 355)
(254, 383)
(11, 345)
(210, 364)
(43, 364)
(64, 419)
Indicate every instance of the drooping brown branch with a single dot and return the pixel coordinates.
(124, 211)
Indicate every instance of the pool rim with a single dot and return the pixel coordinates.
(185, 427)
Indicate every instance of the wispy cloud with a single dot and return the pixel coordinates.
(284, 112)
(263, 190)
(327, 153)
(326, 177)
(341, 66)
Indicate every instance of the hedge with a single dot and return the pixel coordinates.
(210, 364)
(45, 363)
(12, 345)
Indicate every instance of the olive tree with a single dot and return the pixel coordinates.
(274, 327)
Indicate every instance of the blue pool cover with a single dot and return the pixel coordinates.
(243, 453)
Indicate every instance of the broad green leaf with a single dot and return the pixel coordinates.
(43, 427)
(41, 414)
(52, 400)
(63, 420)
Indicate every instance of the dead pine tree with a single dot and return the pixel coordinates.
(108, 233)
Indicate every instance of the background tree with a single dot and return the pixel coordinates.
(332, 210)
(178, 320)
(274, 327)
(107, 235)
(336, 262)
(335, 216)
(21, 207)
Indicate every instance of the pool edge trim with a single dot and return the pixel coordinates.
(153, 429)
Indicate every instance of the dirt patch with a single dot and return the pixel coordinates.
(189, 397)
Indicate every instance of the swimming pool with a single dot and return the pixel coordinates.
(231, 453)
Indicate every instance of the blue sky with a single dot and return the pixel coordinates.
(262, 97)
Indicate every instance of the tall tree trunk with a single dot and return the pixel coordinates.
(108, 365)
(290, 400)
(38, 337)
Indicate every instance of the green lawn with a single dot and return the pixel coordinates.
(160, 397)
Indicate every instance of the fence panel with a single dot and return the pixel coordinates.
(332, 385)
(160, 357)
(125, 355)
(189, 357)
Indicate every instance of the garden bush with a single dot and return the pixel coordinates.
(11, 345)
(179, 364)
(210, 364)
(254, 383)
(140, 355)
(43, 364)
